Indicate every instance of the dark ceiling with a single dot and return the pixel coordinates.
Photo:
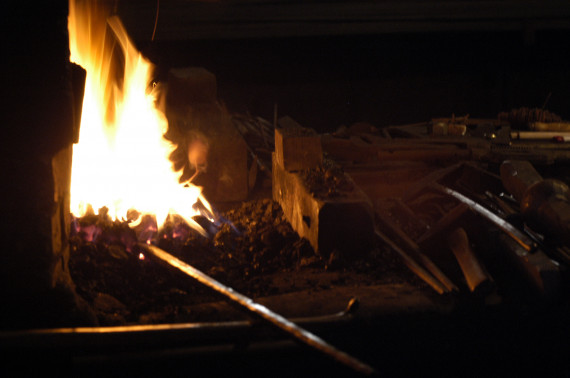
(327, 63)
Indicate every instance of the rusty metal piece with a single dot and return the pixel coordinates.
(343, 221)
(261, 311)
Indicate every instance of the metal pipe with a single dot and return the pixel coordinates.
(261, 311)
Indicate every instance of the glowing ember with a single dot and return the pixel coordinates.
(121, 161)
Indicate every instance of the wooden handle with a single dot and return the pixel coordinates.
(474, 273)
(517, 176)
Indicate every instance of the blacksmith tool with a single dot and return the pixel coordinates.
(261, 311)
(543, 273)
(559, 253)
(544, 203)
(449, 227)
(524, 241)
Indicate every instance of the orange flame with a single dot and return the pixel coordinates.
(121, 161)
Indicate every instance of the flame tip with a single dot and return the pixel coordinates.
(122, 129)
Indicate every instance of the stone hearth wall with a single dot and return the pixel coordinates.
(38, 128)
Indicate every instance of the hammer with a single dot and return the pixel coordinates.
(544, 203)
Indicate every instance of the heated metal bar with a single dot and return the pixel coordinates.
(259, 310)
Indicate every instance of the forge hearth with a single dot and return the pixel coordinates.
(396, 117)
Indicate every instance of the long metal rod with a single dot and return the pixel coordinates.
(412, 264)
(505, 226)
(259, 310)
(414, 247)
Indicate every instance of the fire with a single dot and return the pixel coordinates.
(121, 160)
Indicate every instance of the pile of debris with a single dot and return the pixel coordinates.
(253, 249)
(439, 191)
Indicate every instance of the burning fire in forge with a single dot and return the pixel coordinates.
(122, 159)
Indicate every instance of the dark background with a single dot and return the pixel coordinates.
(388, 63)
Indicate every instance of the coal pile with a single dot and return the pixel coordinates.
(248, 248)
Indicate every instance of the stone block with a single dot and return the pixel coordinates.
(209, 147)
(297, 147)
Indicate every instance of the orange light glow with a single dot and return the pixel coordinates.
(121, 161)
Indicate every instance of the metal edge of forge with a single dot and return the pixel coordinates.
(344, 222)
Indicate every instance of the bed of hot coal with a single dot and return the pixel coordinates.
(253, 249)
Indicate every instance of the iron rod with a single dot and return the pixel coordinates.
(261, 311)
(412, 264)
(505, 226)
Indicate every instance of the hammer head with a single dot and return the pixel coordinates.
(544, 204)
(517, 176)
(546, 208)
